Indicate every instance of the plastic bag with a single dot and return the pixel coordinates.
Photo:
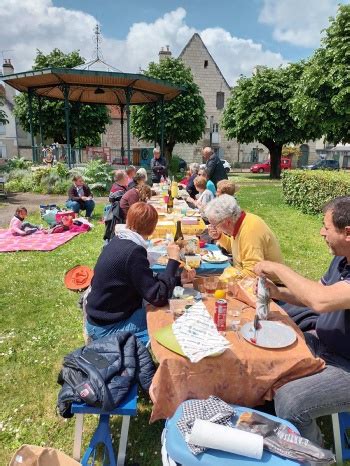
(262, 299)
(283, 441)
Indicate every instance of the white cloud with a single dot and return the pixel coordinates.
(27, 25)
(298, 22)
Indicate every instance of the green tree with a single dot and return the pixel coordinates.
(184, 117)
(92, 120)
(323, 93)
(3, 116)
(259, 109)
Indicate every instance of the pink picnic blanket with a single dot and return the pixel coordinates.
(37, 242)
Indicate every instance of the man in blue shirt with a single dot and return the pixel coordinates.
(302, 401)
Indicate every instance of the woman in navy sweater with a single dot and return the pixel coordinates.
(123, 278)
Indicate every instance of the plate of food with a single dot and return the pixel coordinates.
(215, 257)
(270, 334)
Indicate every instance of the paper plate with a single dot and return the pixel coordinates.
(270, 335)
(165, 336)
(214, 259)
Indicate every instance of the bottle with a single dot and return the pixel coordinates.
(174, 189)
(162, 180)
(170, 203)
(178, 233)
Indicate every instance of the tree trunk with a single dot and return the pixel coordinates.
(168, 150)
(275, 158)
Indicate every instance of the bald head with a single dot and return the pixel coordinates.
(207, 152)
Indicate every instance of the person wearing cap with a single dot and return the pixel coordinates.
(158, 166)
(244, 235)
(123, 278)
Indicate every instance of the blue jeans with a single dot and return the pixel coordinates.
(86, 205)
(303, 400)
(135, 324)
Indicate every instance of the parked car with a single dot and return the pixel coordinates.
(323, 165)
(264, 167)
(226, 164)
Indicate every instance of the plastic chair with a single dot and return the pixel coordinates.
(341, 426)
(176, 448)
(103, 435)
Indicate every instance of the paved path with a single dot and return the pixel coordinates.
(31, 201)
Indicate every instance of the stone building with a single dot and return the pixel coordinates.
(14, 140)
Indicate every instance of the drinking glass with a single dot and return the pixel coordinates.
(211, 284)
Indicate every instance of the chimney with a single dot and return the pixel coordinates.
(163, 54)
(7, 67)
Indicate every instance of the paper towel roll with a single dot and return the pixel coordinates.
(210, 435)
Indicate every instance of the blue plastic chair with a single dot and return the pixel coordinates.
(178, 451)
(103, 435)
(341, 426)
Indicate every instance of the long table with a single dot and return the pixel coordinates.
(244, 374)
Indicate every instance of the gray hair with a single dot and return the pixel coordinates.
(194, 168)
(221, 208)
(142, 171)
(156, 150)
(119, 175)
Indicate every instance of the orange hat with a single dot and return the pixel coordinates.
(78, 278)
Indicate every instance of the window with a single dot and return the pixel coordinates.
(205, 63)
(215, 127)
(2, 152)
(220, 100)
(2, 129)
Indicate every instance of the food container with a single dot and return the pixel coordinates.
(193, 261)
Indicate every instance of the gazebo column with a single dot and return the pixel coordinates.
(30, 108)
(155, 124)
(40, 121)
(122, 150)
(78, 131)
(128, 94)
(66, 111)
(162, 126)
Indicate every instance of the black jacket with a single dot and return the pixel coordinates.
(158, 167)
(101, 373)
(190, 188)
(73, 194)
(215, 169)
(122, 279)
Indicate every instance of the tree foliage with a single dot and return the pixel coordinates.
(3, 115)
(92, 119)
(259, 109)
(184, 117)
(323, 93)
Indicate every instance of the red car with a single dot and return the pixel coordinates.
(264, 167)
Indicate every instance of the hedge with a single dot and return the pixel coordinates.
(310, 190)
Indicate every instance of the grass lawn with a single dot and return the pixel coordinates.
(40, 323)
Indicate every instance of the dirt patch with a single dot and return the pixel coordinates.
(31, 201)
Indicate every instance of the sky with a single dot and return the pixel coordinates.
(240, 34)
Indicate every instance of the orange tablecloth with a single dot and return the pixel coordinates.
(244, 374)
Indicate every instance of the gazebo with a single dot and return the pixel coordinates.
(92, 87)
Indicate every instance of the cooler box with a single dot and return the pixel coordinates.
(65, 213)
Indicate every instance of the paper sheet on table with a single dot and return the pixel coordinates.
(197, 334)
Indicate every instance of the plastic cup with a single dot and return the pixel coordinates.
(211, 284)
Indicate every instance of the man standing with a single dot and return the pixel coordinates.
(214, 166)
(302, 401)
(80, 197)
(158, 166)
(246, 236)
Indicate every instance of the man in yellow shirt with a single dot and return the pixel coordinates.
(246, 236)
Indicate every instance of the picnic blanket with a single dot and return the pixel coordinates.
(37, 242)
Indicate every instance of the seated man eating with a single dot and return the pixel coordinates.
(80, 197)
(244, 235)
(302, 401)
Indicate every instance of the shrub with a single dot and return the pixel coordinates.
(174, 168)
(99, 176)
(310, 190)
(18, 162)
(237, 165)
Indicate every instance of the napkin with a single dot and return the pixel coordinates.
(197, 334)
(262, 299)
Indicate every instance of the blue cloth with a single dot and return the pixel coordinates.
(211, 187)
(206, 268)
(179, 452)
(135, 324)
(83, 205)
(333, 328)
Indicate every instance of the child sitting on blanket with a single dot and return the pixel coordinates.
(19, 227)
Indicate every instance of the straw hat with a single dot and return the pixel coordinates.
(78, 278)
